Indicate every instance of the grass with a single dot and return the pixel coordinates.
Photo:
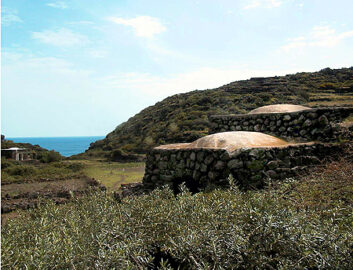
(18, 172)
(110, 174)
(22, 183)
(113, 174)
(324, 188)
(303, 224)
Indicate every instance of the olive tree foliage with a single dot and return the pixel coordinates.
(221, 229)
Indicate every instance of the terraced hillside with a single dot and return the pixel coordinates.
(184, 117)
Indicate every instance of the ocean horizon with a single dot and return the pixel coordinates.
(66, 146)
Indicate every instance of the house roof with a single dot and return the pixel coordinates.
(15, 149)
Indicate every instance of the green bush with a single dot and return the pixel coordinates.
(304, 94)
(49, 156)
(14, 171)
(216, 230)
(75, 167)
(6, 163)
(21, 170)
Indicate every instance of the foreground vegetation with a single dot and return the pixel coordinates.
(184, 117)
(292, 225)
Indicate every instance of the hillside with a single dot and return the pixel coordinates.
(5, 144)
(42, 154)
(184, 117)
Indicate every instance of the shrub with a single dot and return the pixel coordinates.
(328, 85)
(21, 170)
(49, 156)
(304, 94)
(75, 167)
(54, 170)
(216, 230)
(5, 163)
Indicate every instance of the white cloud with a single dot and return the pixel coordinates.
(45, 93)
(252, 4)
(9, 16)
(262, 4)
(80, 23)
(61, 38)
(320, 36)
(144, 26)
(58, 4)
(55, 88)
(201, 78)
(97, 53)
(30, 62)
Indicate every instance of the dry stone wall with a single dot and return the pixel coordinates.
(318, 124)
(201, 168)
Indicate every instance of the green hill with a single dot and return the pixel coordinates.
(184, 117)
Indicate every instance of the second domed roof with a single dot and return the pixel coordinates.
(279, 108)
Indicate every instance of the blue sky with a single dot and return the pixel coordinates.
(82, 67)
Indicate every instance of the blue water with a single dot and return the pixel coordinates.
(66, 146)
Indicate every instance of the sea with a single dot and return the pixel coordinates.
(66, 146)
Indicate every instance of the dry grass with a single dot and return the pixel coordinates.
(323, 189)
(113, 174)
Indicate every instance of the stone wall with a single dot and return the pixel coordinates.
(201, 168)
(318, 124)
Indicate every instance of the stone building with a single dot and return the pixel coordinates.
(245, 147)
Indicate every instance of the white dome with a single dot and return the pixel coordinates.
(279, 108)
(230, 141)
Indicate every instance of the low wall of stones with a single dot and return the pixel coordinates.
(202, 168)
(318, 124)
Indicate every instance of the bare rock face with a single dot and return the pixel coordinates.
(279, 108)
(230, 141)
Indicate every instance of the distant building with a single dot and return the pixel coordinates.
(17, 153)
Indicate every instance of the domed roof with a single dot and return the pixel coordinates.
(279, 108)
(230, 141)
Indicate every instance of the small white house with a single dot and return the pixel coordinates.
(17, 153)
